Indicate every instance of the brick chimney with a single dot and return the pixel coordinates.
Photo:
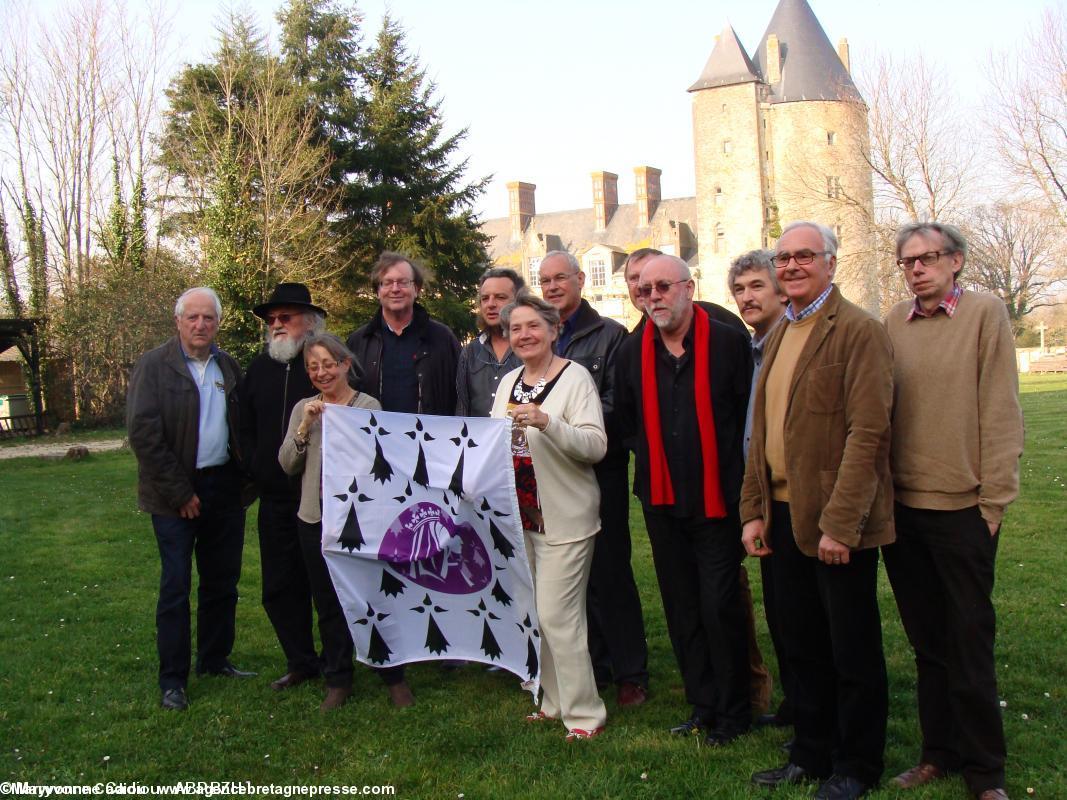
(843, 54)
(647, 192)
(774, 60)
(520, 207)
(605, 197)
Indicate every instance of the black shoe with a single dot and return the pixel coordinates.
(174, 699)
(841, 787)
(720, 737)
(227, 670)
(783, 776)
(690, 727)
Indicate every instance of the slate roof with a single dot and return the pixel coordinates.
(727, 65)
(810, 68)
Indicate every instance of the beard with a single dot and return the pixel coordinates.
(284, 349)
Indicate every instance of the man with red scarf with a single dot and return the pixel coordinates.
(682, 390)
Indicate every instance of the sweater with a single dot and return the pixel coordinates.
(957, 423)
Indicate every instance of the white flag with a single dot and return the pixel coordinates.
(423, 540)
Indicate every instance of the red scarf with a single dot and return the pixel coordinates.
(659, 474)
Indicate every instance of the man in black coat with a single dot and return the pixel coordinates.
(409, 360)
(275, 381)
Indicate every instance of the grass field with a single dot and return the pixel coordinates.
(79, 703)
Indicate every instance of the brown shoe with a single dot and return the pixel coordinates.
(400, 694)
(336, 697)
(630, 694)
(993, 794)
(918, 776)
(290, 680)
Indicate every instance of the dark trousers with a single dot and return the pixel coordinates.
(333, 627)
(941, 569)
(833, 642)
(616, 625)
(216, 538)
(286, 590)
(774, 625)
(697, 564)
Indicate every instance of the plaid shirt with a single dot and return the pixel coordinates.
(948, 305)
(809, 310)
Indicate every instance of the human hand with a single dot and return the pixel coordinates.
(530, 415)
(832, 552)
(752, 537)
(191, 508)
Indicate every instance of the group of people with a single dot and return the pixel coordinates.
(821, 439)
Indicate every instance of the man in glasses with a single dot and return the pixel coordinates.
(409, 360)
(275, 381)
(682, 387)
(616, 624)
(957, 438)
(818, 495)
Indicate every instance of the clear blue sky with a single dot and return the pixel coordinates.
(555, 89)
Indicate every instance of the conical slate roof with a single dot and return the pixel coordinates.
(727, 65)
(810, 66)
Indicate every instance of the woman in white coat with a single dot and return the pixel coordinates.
(557, 436)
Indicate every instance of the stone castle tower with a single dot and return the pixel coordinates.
(778, 139)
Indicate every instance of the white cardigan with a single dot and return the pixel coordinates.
(564, 452)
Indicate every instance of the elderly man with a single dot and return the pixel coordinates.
(957, 439)
(762, 304)
(487, 357)
(408, 359)
(681, 390)
(818, 495)
(275, 381)
(182, 420)
(616, 625)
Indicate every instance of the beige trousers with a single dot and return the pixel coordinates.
(561, 574)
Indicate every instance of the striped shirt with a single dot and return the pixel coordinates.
(809, 310)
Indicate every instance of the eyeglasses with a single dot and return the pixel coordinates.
(284, 318)
(928, 259)
(399, 283)
(645, 290)
(563, 276)
(802, 257)
(326, 366)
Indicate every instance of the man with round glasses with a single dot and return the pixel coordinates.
(409, 359)
(818, 494)
(957, 439)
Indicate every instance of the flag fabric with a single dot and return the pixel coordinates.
(423, 540)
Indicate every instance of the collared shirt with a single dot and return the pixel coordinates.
(566, 333)
(811, 309)
(400, 379)
(948, 305)
(213, 439)
(757, 363)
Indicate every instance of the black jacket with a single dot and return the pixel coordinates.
(435, 364)
(163, 424)
(268, 394)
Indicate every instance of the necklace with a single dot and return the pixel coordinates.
(523, 396)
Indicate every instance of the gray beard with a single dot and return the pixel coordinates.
(284, 350)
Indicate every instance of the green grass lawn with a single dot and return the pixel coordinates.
(79, 703)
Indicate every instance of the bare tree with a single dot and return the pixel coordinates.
(1029, 110)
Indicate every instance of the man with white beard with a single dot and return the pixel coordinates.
(275, 381)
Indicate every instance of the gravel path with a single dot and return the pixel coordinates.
(43, 448)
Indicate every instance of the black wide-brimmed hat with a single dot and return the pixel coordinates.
(288, 294)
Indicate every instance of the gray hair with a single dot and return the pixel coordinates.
(316, 323)
(570, 258)
(640, 254)
(951, 236)
(829, 239)
(179, 306)
(338, 351)
(527, 299)
(753, 261)
(503, 272)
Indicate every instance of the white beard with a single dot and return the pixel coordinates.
(284, 350)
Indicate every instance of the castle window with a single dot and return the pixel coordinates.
(535, 272)
(727, 146)
(831, 138)
(718, 196)
(838, 233)
(724, 108)
(597, 271)
(720, 239)
(833, 187)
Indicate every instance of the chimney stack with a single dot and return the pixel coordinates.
(520, 207)
(605, 197)
(843, 54)
(647, 192)
(774, 60)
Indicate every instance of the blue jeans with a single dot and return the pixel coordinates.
(217, 539)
